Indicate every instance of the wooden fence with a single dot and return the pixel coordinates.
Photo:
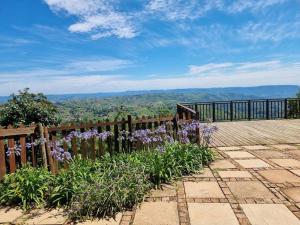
(258, 109)
(12, 138)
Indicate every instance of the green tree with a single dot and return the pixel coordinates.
(298, 95)
(26, 108)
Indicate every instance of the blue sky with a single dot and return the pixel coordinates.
(80, 46)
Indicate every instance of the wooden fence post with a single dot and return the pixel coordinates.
(129, 118)
(43, 147)
(2, 159)
(52, 168)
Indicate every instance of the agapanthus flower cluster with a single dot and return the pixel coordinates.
(188, 132)
(15, 150)
(58, 152)
(86, 135)
(148, 137)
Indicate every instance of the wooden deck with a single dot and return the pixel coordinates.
(261, 132)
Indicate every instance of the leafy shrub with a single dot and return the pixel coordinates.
(26, 108)
(27, 187)
(119, 186)
(68, 182)
(173, 161)
(106, 186)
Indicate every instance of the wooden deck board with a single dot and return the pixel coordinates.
(260, 132)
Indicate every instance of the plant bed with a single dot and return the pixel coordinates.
(106, 186)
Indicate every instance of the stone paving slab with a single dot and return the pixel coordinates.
(284, 147)
(43, 217)
(205, 173)
(112, 221)
(297, 172)
(211, 214)
(249, 189)
(157, 213)
(232, 148)
(8, 215)
(164, 191)
(239, 154)
(287, 162)
(279, 176)
(269, 214)
(234, 174)
(222, 164)
(203, 189)
(295, 153)
(256, 147)
(270, 154)
(253, 163)
(293, 193)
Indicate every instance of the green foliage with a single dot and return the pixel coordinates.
(119, 186)
(27, 187)
(106, 186)
(68, 182)
(26, 108)
(298, 95)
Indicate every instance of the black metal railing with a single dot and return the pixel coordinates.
(257, 109)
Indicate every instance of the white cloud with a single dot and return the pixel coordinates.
(222, 75)
(208, 67)
(97, 16)
(98, 65)
(229, 67)
(105, 18)
(270, 31)
(252, 5)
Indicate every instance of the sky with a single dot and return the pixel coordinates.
(85, 46)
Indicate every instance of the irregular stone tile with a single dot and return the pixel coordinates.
(295, 153)
(155, 213)
(165, 191)
(239, 154)
(206, 172)
(293, 193)
(249, 189)
(112, 221)
(211, 214)
(269, 214)
(232, 148)
(253, 163)
(284, 147)
(222, 164)
(270, 154)
(8, 215)
(287, 162)
(43, 217)
(256, 147)
(297, 172)
(203, 189)
(234, 174)
(279, 176)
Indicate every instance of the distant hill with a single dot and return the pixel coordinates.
(272, 91)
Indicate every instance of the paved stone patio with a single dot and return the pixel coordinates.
(258, 185)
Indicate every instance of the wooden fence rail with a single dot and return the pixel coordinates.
(258, 109)
(15, 140)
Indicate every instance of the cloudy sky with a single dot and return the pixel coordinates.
(78, 46)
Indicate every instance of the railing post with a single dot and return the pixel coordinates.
(285, 108)
(267, 109)
(214, 111)
(249, 110)
(231, 110)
